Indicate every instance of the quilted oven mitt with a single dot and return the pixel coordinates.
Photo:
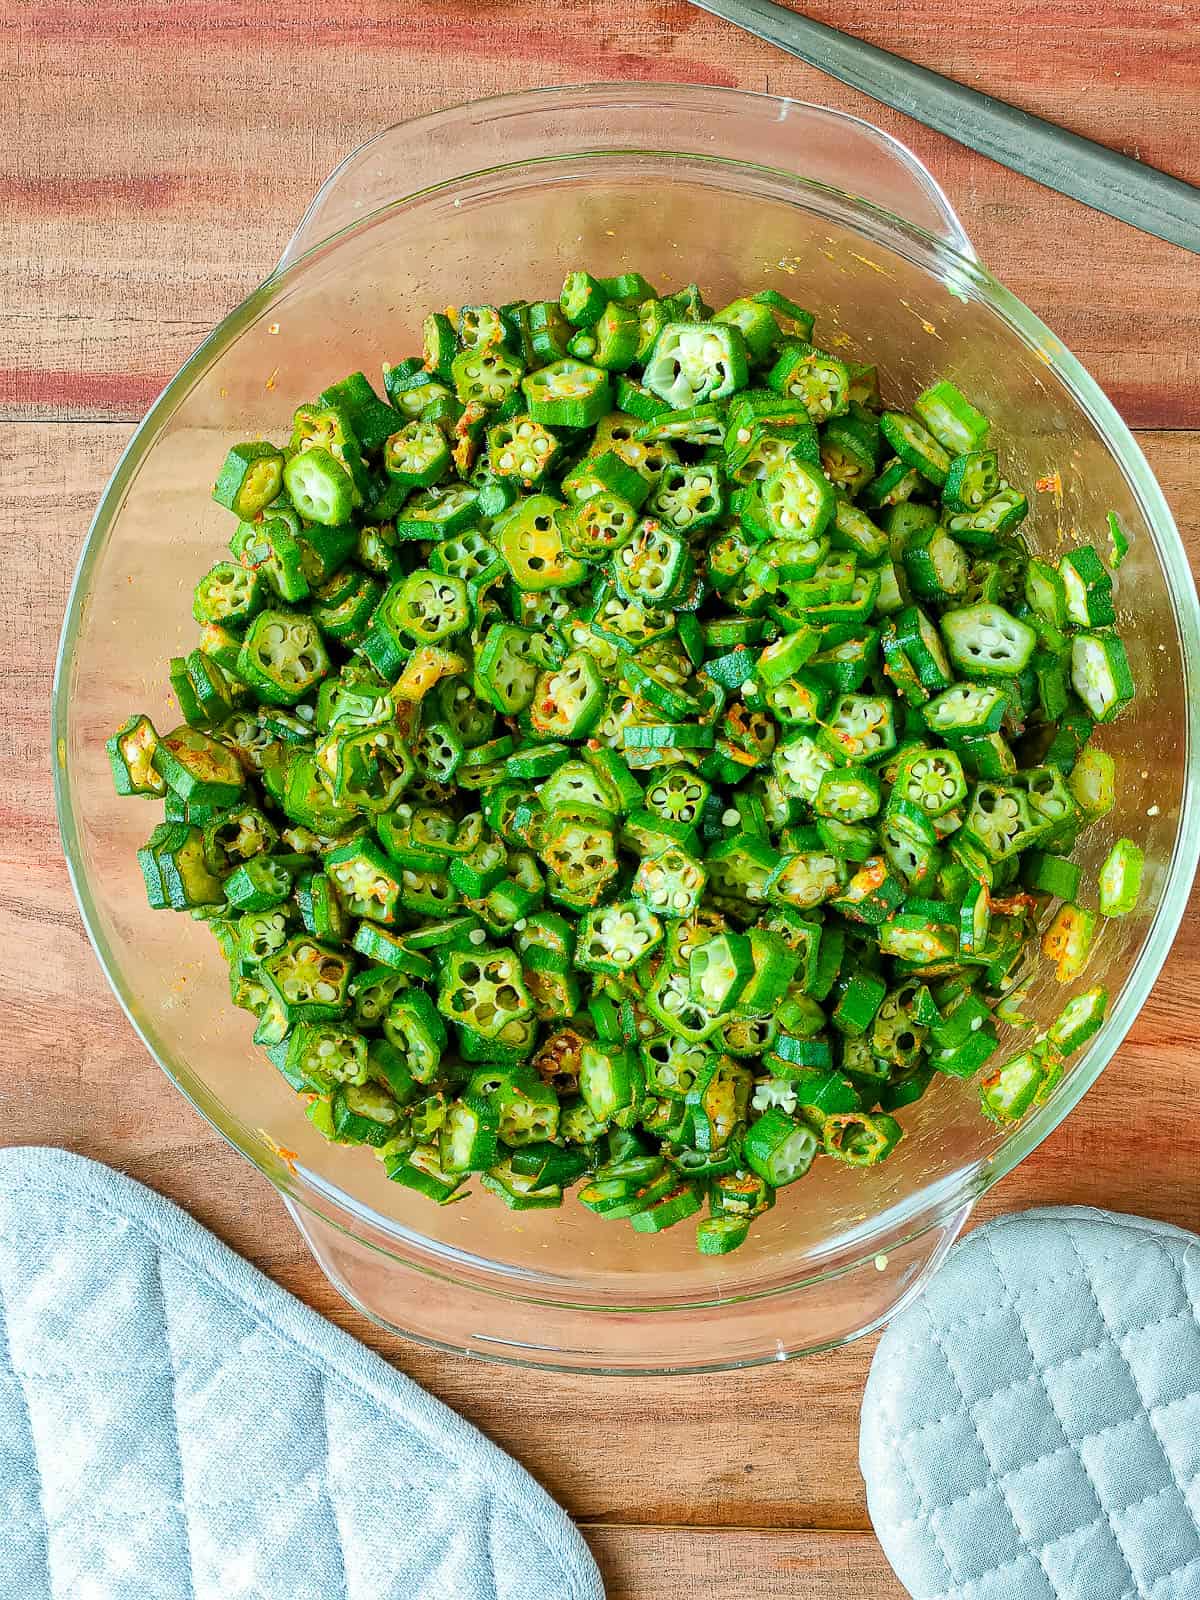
(175, 1427)
(1031, 1425)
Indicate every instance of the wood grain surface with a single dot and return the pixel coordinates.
(157, 158)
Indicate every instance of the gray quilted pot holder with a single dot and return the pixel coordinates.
(175, 1427)
(1031, 1425)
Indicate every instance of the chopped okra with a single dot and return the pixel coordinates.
(631, 758)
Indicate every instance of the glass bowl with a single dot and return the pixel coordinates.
(494, 201)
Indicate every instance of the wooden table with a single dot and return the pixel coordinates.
(158, 157)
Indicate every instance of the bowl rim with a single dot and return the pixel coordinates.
(593, 95)
(970, 1182)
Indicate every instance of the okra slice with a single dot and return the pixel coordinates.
(1001, 819)
(966, 710)
(717, 1107)
(607, 471)
(580, 853)
(366, 880)
(1068, 940)
(258, 885)
(521, 450)
(413, 1027)
(567, 700)
(670, 1003)
(973, 478)
(131, 753)
(527, 1109)
(1100, 674)
(932, 780)
(1118, 541)
(365, 769)
(1121, 879)
(529, 538)
(951, 418)
(692, 363)
(1087, 588)
(800, 763)
(717, 1236)
(319, 486)
(755, 322)
(467, 1139)
(804, 879)
(798, 500)
(670, 884)
(655, 568)
(327, 424)
(250, 478)
(427, 666)
(986, 641)
(982, 528)
(480, 327)
(567, 393)
(438, 512)
(318, 1057)
(1046, 593)
(597, 525)
(174, 871)
(812, 376)
(779, 1149)
(674, 1065)
(612, 341)
(860, 1140)
(1007, 1093)
(310, 981)
(1092, 782)
(417, 455)
(486, 993)
(283, 657)
(611, 1082)
(420, 1169)
(486, 376)
(741, 1194)
(1078, 1020)
(198, 769)
(689, 497)
(679, 795)
(936, 566)
(615, 938)
(850, 449)
(228, 593)
(583, 299)
(518, 1191)
(719, 971)
(859, 728)
(426, 606)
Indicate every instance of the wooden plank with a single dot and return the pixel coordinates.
(654, 1563)
(196, 155)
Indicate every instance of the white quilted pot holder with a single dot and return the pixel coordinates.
(173, 1426)
(1031, 1425)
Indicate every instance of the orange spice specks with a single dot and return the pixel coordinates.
(288, 1157)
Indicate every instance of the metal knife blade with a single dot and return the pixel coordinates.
(1141, 195)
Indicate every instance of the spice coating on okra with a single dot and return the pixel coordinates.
(630, 758)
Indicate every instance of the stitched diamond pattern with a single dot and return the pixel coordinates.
(1031, 1426)
(174, 1427)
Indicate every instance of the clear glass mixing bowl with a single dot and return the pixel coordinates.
(494, 201)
